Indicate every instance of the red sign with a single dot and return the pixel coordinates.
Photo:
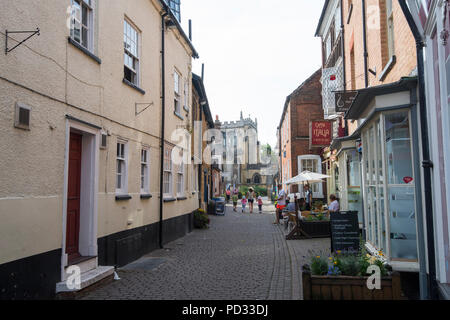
(407, 180)
(320, 134)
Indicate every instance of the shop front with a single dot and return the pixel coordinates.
(390, 171)
(347, 175)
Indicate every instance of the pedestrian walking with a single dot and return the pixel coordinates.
(228, 195)
(281, 204)
(251, 198)
(235, 201)
(260, 204)
(243, 203)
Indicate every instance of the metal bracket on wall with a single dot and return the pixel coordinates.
(148, 105)
(14, 32)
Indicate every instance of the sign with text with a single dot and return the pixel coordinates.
(344, 230)
(344, 100)
(320, 133)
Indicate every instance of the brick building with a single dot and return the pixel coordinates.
(301, 106)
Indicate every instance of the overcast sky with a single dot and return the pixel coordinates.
(256, 52)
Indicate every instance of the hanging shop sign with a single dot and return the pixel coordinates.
(344, 100)
(320, 133)
(344, 231)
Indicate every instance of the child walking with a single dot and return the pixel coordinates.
(260, 204)
(244, 203)
(235, 201)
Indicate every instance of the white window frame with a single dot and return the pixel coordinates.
(186, 95)
(88, 5)
(180, 180)
(132, 35)
(168, 177)
(390, 27)
(145, 171)
(317, 194)
(176, 90)
(122, 159)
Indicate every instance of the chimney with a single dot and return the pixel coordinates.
(217, 117)
(190, 30)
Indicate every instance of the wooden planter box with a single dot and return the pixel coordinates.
(310, 230)
(349, 288)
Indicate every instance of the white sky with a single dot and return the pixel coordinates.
(256, 52)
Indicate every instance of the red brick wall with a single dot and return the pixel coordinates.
(305, 106)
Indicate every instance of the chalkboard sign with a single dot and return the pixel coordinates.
(344, 230)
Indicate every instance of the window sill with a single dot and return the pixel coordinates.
(84, 50)
(178, 115)
(186, 109)
(146, 196)
(181, 198)
(388, 68)
(133, 86)
(169, 199)
(123, 197)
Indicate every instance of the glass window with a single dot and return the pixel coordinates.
(398, 148)
(121, 168)
(145, 171)
(167, 175)
(131, 53)
(81, 23)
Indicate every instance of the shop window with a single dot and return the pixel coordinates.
(401, 187)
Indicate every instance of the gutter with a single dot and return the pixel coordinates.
(366, 55)
(426, 164)
(163, 118)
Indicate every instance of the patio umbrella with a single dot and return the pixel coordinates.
(307, 176)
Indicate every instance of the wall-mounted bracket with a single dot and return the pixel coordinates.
(14, 32)
(147, 105)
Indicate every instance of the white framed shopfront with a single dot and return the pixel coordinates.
(312, 163)
(389, 191)
(382, 198)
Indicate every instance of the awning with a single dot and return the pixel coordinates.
(366, 95)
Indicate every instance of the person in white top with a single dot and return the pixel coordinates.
(281, 204)
(334, 205)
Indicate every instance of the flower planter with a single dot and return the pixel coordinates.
(349, 288)
(309, 230)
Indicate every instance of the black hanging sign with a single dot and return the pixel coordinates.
(344, 100)
(344, 227)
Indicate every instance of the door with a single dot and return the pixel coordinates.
(73, 197)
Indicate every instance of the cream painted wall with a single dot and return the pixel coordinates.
(32, 164)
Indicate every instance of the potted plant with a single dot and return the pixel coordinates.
(201, 219)
(311, 226)
(343, 276)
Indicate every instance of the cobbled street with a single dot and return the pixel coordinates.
(240, 257)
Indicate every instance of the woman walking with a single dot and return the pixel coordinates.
(251, 198)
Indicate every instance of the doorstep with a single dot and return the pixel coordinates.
(87, 279)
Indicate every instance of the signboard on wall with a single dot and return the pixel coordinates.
(344, 100)
(320, 133)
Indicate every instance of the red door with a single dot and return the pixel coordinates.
(73, 197)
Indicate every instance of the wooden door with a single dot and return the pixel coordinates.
(73, 197)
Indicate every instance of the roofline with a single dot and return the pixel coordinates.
(199, 81)
(288, 98)
(180, 29)
(365, 95)
(322, 16)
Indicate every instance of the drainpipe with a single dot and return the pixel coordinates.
(343, 44)
(426, 164)
(163, 116)
(366, 55)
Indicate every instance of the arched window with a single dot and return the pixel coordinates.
(256, 179)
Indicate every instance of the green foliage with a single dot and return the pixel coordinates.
(349, 264)
(319, 265)
(201, 219)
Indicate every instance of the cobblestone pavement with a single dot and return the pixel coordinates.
(240, 257)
